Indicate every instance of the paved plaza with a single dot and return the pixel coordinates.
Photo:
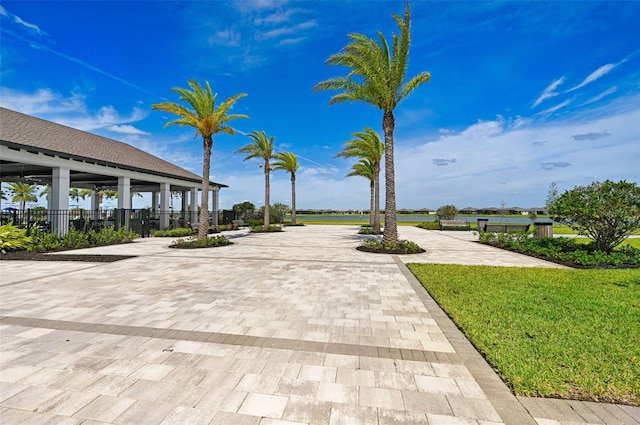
(288, 328)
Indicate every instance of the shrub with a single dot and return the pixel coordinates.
(75, 239)
(44, 242)
(174, 233)
(447, 212)
(366, 229)
(208, 242)
(564, 250)
(13, 238)
(430, 225)
(111, 236)
(606, 212)
(402, 247)
(268, 229)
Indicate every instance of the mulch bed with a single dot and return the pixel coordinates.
(41, 256)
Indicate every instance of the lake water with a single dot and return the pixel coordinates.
(364, 218)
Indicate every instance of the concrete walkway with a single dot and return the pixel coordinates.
(278, 329)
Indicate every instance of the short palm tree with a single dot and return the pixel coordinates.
(78, 194)
(288, 162)
(377, 77)
(365, 168)
(207, 120)
(261, 147)
(22, 193)
(367, 145)
(106, 194)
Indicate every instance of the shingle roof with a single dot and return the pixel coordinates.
(27, 131)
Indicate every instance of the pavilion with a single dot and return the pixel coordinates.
(41, 152)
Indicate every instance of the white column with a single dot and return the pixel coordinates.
(194, 205)
(59, 200)
(124, 193)
(165, 195)
(154, 204)
(95, 200)
(185, 202)
(95, 204)
(215, 200)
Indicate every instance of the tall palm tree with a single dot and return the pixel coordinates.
(365, 168)
(23, 193)
(288, 162)
(367, 145)
(377, 77)
(261, 147)
(208, 121)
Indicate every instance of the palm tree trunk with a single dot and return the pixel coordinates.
(203, 225)
(390, 225)
(293, 199)
(267, 188)
(376, 204)
(372, 200)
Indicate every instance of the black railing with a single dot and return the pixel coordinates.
(61, 221)
(141, 221)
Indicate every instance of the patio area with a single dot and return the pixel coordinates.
(287, 328)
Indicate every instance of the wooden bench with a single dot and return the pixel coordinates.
(454, 223)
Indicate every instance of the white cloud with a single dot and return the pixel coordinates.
(497, 161)
(555, 108)
(126, 129)
(602, 95)
(70, 111)
(288, 30)
(549, 92)
(598, 73)
(32, 27)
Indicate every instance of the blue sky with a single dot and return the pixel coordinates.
(521, 93)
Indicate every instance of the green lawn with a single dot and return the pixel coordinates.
(549, 332)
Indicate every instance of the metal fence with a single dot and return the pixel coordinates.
(61, 221)
(141, 221)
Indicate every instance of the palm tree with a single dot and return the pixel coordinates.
(208, 121)
(365, 168)
(261, 147)
(288, 162)
(23, 193)
(367, 145)
(377, 77)
(106, 194)
(78, 194)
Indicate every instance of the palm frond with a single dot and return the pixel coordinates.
(377, 69)
(286, 161)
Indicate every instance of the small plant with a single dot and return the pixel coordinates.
(13, 238)
(269, 229)
(74, 239)
(208, 242)
(367, 229)
(173, 233)
(401, 247)
(430, 225)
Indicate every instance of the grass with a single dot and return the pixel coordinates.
(548, 332)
